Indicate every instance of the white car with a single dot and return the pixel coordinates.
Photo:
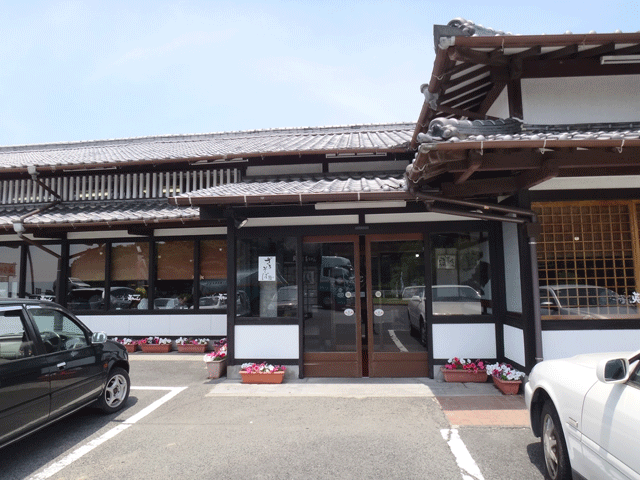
(446, 300)
(586, 411)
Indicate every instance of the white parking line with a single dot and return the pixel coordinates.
(80, 452)
(396, 340)
(468, 467)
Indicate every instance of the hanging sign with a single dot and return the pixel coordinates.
(267, 269)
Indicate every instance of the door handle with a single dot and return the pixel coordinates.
(61, 365)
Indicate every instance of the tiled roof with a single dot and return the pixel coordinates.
(483, 157)
(142, 211)
(454, 130)
(227, 145)
(302, 189)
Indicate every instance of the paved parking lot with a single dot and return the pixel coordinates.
(179, 424)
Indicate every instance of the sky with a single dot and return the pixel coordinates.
(96, 70)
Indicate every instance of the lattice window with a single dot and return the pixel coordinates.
(588, 243)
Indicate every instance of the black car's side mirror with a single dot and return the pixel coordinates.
(99, 337)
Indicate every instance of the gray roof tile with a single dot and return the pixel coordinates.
(306, 185)
(97, 212)
(211, 146)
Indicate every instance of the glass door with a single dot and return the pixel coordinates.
(396, 321)
(332, 334)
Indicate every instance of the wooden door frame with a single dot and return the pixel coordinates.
(403, 364)
(332, 364)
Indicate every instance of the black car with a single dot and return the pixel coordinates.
(51, 365)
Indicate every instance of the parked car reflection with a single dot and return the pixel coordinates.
(584, 302)
(446, 300)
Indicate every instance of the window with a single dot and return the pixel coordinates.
(129, 275)
(9, 271)
(14, 342)
(58, 331)
(42, 272)
(213, 275)
(86, 282)
(586, 259)
(461, 273)
(175, 267)
(265, 265)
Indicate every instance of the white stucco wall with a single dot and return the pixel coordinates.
(267, 341)
(594, 99)
(561, 344)
(514, 344)
(157, 325)
(512, 267)
(477, 340)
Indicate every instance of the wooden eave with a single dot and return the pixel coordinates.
(469, 73)
(477, 169)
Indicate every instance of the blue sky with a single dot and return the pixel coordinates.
(75, 70)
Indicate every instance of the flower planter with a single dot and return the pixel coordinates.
(464, 375)
(275, 377)
(155, 348)
(191, 348)
(217, 368)
(508, 387)
(132, 347)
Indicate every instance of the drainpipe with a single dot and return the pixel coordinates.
(535, 280)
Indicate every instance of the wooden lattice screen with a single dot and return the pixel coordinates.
(589, 243)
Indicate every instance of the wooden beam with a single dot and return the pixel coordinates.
(528, 179)
(491, 97)
(563, 52)
(576, 68)
(475, 188)
(474, 163)
(468, 55)
(514, 93)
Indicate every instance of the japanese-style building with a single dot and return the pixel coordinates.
(503, 224)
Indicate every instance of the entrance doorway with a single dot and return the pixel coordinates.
(357, 291)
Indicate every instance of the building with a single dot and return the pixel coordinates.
(502, 225)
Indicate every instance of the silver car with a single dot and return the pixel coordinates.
(584, 302)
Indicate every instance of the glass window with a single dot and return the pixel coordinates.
(58, 331)
(129, 275)
(329, 291)
(42, 272)
(213, 275)
(265, 266)
(461, 283)
(86, 282)
(9, 271)
(586, 260)
(174, 284)
(14, 342)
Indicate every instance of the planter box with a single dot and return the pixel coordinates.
(153, 348)
(464, 375)
(131, 347)
(217, 368)
(275, 377)
(191, 348)
(508, 387)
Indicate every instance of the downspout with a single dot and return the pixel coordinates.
(18, 226)
(535, 280)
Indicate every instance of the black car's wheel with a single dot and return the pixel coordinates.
(116, 391)
(554, 447)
